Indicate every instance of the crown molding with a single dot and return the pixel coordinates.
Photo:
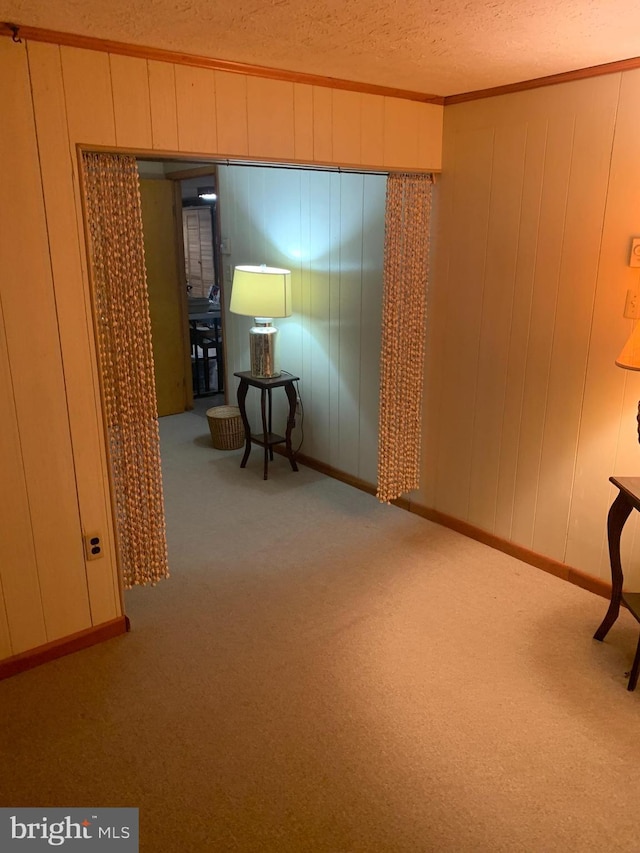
(550, 80)
(19, 32)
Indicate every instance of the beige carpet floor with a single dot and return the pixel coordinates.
(325, 674)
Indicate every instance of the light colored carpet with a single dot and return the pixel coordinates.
(325, 674)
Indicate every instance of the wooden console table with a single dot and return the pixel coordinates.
(267, 438)
(627, 500)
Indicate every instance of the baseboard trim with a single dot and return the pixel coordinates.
(334, 473)
(547, 564)
(337, 474)
(64, 646)
(540, 561)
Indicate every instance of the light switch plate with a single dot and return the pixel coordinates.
(634, 257)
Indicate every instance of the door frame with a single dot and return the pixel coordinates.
(208, 171)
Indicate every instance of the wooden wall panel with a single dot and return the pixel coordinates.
(303, 121)
(527, 247)
(429, 121)
(320, 376)
(270, 118)
(88, 96)
(349, 325)
(346, 124)
(372, 128)
(75, 324)
(231, 113)
(464, 288)
(322, 135)
(400, 132)
(498, 289)
(606, 407)
(304, 271)
(552, 417)
(542, 324)
(36, 364)
(163, 105)
(442, 215)
(23, 619)
(335, 379)
(327, 228)
(582, 233)
(196, 110)
(412, 134)
(373, 210)
(131, 101)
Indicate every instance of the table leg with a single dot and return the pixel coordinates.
(265, 431)
(291, 396)
(205, 363)
(618, 514)
(243, 387)
(633, 675)
(219, 354)
(270, 426)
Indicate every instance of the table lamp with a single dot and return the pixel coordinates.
(629, 358)
(263, 293)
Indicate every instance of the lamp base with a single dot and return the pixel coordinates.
(262, 346)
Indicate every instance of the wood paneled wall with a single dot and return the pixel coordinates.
(52, 458)
(328, 229)
(526, 414)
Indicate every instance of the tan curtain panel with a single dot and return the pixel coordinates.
(121, 306)
(406, 271)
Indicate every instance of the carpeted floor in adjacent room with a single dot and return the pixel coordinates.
(324, 674)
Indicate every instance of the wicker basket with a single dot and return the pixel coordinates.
(225, 425)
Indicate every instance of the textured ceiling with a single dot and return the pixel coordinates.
(440, 47)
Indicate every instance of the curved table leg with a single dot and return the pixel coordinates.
(633, 675)
(618, 514)
(243, 387)
(291, 396)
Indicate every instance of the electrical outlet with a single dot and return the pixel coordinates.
(92, 546)
(632, 305)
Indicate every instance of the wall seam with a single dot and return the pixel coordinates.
(593, 309)
(528, 341)
(473, 407)
(58, 336)
(553, 337)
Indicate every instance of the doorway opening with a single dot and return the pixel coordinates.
(327, 227)
(182, 247)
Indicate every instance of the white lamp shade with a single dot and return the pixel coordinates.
(261, 291)
(630, 355)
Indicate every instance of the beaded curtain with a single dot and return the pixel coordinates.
(404, 310)
(121, 304)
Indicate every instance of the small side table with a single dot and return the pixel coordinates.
(627, 500)
(267, 438)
